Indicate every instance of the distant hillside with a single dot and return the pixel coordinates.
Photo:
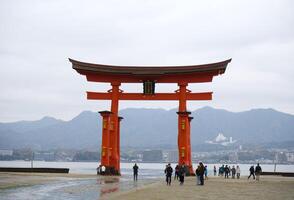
(149, 128)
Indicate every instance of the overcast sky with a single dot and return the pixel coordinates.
(37, 37)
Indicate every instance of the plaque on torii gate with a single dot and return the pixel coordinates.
(149, 77)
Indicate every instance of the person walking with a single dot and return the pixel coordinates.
(201, 173)
(238, 171)
(168, 172)
(197, 172)
(205, 172)
(251, 170)
(227, 170)
(214, 170)
(177, 172)
(135, 171)
(182, 172)
(258, 171)
(233, 172)
(222, 170)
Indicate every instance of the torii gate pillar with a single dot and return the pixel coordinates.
(105, 146)
(114, 132)
(110, 149)
(184, 142)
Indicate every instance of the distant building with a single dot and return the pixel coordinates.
(280, 157)
(233, 157)
(6, 152)
(172, 156)
(45, 156)
(290, 156)
(152, 156)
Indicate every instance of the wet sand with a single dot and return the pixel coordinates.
(19, 186)
(10, 180)
(97, 184)
(269, 188)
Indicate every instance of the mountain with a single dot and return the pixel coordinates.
(80, 132)
(151, 128)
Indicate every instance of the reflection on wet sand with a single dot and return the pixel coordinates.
(108, 185)
(107, 190)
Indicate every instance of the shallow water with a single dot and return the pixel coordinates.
(69, 189)
(94, 188)
(147, 170)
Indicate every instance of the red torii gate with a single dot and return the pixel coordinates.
(149, 76)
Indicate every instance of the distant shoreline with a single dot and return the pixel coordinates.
(163, 162)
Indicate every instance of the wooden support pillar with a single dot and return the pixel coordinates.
(118, 144)
(189, 146)
(184, 145)
(105, 146)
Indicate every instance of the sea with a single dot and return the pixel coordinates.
(95, 188)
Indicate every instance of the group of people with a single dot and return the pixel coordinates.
(255, 172)
(182, 170)
(201, 172)
(228, 171)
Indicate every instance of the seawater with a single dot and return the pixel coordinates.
(94, 188)
(147, 170)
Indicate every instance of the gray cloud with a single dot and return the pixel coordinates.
(37, 37)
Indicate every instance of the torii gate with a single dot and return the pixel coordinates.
(149, 76)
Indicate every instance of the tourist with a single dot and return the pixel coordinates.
(230, 170)
(238, 171)
(197, 172)
(201, 173)
(98, 170)
(205, 172)
(227, 170)
(214, 170)
(222, 170)
(182, 172)
(177, 172)
(135, 171)
(251, 170)
(168, 172)
(258, 171)
(233, 172)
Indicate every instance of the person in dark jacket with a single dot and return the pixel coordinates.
(251, 170)
(135, 171)
(221, 170)
(197, 175)
(201, 173)
(257, 171)
(168, 172)
(233, 171)
(177, 172)
(227, 171)
(182, 172)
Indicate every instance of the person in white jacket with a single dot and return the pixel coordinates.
(238, 171)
